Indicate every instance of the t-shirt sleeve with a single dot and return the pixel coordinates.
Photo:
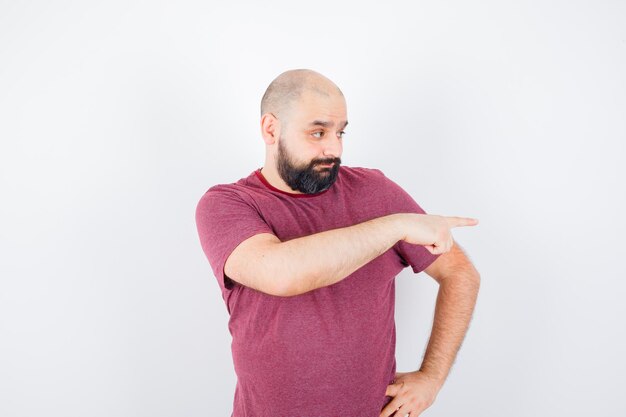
(416, 256)
(224, 220)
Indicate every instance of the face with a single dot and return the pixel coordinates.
(312, 138)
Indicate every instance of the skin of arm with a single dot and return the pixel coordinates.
(309, 262)
(459, 282)
(327, 257)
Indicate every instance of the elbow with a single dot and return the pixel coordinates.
(279, 289)
(283, 293)
(472, 275)
(277, 284)
(468, 279)
(268, 283)
(281, 277)
(288, 286)
(474, 278)
(284, 288)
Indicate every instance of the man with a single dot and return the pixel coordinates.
(306, 251)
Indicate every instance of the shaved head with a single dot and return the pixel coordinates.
(288, 87)
(303, 118)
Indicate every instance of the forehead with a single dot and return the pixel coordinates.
(313, 106)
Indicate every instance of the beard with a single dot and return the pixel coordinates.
(307, 179)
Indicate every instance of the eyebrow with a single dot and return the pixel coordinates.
(325, 124)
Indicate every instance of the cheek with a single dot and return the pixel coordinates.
(312, 150)
(307, 152)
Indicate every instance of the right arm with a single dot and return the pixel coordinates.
(303, 264)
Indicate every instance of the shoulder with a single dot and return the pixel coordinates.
(218, 192)
(385, 189)
(225, 199)
(239, 190)
(373, 179)
(354, 173)
(355, 170)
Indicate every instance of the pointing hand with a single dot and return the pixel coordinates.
(431, 231)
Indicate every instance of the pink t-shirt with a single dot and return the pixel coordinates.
(329, 352)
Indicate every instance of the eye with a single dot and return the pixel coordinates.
(315, 133)
(342, 133)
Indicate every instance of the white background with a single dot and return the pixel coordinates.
(116, 117)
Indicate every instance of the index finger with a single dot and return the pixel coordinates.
(455, 221)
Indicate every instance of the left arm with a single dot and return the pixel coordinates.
(458, 283)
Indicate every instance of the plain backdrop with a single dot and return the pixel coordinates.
(115, 118)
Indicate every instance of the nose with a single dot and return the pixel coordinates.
(333, 148)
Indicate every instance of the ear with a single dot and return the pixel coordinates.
(270, 128)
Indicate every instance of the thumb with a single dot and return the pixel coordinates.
(430, 248)
(435, 250)
(393, 389)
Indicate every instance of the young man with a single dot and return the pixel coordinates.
(306, 252)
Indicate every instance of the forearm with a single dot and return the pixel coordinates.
(453, 311)
(324, 258)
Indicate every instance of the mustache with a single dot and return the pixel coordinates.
(332, 161)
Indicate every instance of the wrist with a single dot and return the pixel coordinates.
(437, 378)
(397, 224)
